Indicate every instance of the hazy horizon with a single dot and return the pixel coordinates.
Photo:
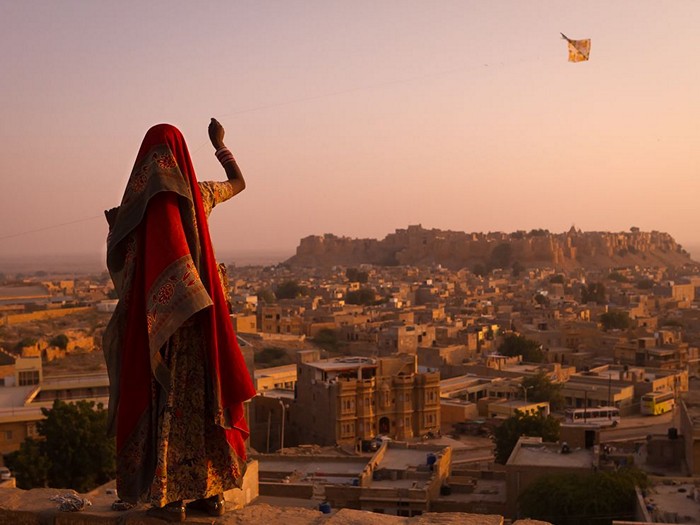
(95, 261)
(354, 118)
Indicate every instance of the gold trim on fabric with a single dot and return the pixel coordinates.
(174, 297)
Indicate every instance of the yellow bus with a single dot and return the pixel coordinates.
(655, 403)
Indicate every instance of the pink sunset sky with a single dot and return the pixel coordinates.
(354, 118)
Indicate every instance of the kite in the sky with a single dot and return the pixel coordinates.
(578, 49)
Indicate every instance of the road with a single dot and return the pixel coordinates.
(639, 427)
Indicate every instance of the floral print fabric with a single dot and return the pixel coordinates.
(178, 439)
(194, 460)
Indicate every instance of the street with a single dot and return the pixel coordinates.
(639, 427)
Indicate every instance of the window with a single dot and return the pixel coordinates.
(29, 377)
(346, 429)
(8, 435)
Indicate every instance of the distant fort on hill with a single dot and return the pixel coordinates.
(416, 245)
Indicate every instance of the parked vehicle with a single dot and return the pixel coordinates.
(604, 416)
(655, 403)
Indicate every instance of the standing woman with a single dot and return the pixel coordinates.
(177, 377)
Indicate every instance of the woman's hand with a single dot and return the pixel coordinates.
(216, 134)
(111, 216)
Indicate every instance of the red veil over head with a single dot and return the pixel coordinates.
(160, 256)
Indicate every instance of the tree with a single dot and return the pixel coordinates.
(364, 296)
(507, 434)
(355, 275)
(327, 339)
(617, 277)
(29, 464)
(479, 270)
(672, 323)
(541, 388)
(517, 268)
(59, 341)
(645, 284)
(501, 256)
(593, 293)
(514, 345)
(615, 319)
(80, 454)
(75, 452)
(575, 499)
(26, 342)
(542, 299)
(290, 290)
(265, 295)
(272, 356)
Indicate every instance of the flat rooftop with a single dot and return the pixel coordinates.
(403, 458)
(463, 381)
(661, 352)
(484, 490)
(550, 455)
(344, 363)
(277, 393)
(523, 368)
(673, 503)
(34, 290)
(275, 370)
(14, 396)
(313, 467)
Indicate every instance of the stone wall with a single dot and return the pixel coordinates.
(418, 246)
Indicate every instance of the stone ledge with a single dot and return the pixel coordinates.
(33, 507)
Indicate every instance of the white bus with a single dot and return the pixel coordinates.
(604, 416)
(655, 403)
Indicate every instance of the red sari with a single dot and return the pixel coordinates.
(177, 377)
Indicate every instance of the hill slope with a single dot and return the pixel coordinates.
(416, 245)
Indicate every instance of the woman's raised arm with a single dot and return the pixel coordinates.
(233, 172)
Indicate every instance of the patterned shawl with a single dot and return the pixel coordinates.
(160, 257)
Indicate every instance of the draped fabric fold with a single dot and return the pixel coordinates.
(161, 260)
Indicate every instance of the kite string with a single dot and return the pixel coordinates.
(365, 88)
(300, 100)
(53, 226)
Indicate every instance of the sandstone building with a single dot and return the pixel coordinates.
(343, 400)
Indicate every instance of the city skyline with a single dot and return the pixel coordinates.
(354, 119)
